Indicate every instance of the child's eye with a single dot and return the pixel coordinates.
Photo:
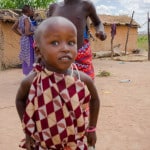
(71, 43)
(55, 43)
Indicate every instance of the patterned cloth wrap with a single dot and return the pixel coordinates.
(56, 112)
(84, 59)
(26, 46)
(26, 41)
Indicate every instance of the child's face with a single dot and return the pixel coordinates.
(58, 47)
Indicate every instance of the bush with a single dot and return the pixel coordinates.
(142, 42)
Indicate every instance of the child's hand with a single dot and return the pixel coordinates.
(101, 35)
(29, 143)
(91, 138)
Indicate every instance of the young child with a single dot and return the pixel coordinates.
(78, 11)
(53, 100)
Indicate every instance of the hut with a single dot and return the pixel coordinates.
(10, 47)
(122, 23)
(9, 41)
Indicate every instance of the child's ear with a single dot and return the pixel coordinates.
(38, 56)
(37, 51)
(36, 48)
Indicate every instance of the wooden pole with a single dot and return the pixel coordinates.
(113, 33)
(148, 28)
(112, 50)
(129, 26)
(1, 48)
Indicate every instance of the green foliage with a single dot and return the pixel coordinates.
(7, 4)
(142, 42)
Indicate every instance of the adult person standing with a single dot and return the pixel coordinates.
(25, 29)
(78, 11)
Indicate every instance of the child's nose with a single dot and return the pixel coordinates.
(65, 47)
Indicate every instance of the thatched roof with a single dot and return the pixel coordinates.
(7, 15)
(118, 20)
(12, 15)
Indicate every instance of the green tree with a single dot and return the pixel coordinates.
(5, 4)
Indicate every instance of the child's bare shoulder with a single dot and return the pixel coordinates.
(86, 79)
(90, 84)
(27, 81)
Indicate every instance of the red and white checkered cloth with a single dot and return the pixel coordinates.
(55, 115)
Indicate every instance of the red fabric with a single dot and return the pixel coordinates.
(84, 59)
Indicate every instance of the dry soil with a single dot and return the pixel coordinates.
(123, 122)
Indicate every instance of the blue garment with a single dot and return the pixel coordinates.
(34, 23)
(86, 35)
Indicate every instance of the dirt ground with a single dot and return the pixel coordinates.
(123, 123)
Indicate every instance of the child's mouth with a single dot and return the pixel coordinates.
(65, 58)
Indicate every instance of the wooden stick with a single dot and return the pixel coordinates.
(148, 28)
(129, 26)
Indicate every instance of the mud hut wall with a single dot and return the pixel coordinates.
(11, 45)
(1, 46)
(120, 38)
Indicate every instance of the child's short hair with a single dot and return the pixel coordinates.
(48, 22)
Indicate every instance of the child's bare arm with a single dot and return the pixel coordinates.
(21, 99)
(94, 108)
(22, 94)
(94, 112)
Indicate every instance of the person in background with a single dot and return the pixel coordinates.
(78, 11)
(52, 100)
(25, 29)
(33, 19)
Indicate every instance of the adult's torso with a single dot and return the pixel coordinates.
(77, 13)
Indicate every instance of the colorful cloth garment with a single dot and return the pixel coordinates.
(55, 115)
(26, 43)
(84, 59)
